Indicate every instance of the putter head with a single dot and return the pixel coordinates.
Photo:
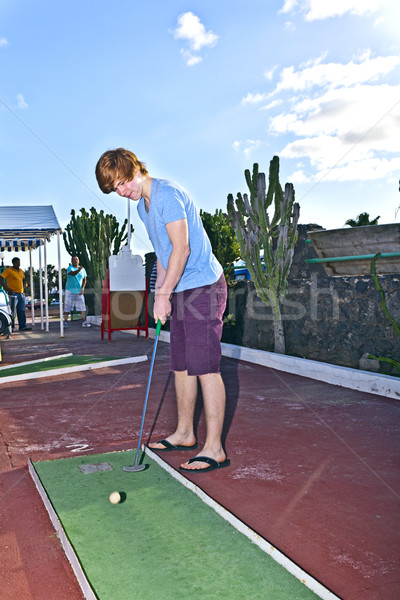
(134, 468)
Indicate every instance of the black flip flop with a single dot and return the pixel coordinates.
(170, 447)
(213, 464)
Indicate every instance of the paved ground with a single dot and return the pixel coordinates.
(314, 470)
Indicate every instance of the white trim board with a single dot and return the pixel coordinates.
(76, 369)
(355, 379)
(68, 549)
(37, 360)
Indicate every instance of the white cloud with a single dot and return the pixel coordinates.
(258, 98)
(247, 146)
(317, 73)
(271, 105)
(368, 169)
(323, 9)
(345, 128)
(290, 26)
(289, 6)
(379, 21)
(320, 9)
(269, 74)
(189, 58)
(21, 102)
(3, 42)
(359, 109)
(192, 30)
(254, 98)
(346, 118)
(299, 177)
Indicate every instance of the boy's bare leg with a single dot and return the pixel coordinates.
(186, 395)
(213, 390)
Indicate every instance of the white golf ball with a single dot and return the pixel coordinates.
(115, 498)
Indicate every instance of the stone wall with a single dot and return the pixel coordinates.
(330, 319)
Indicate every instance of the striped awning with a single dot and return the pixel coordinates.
(18, 244)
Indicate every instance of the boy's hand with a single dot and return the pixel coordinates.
(162, 307)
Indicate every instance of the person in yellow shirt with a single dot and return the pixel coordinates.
(13, 281)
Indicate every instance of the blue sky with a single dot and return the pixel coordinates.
(201, 90)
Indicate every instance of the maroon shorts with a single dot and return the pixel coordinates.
(196, 329)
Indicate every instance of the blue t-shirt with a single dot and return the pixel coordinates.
(169, 202)
(74, 282)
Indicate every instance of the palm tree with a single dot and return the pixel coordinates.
(362, 219)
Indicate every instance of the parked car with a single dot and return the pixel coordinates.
(36, 303)
(240, 270)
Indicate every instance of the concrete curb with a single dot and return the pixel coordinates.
(355, 379)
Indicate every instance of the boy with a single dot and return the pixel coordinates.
(191, 288)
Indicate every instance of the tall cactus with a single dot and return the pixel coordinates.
(276, 236)
(93, 237)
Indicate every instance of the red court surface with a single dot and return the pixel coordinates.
(314, 467)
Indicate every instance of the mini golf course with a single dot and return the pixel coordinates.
(60, 365)
(314, 472)
(161, 540)
(55, 363)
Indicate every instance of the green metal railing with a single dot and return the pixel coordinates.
(355, 257)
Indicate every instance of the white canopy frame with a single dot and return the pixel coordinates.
(25, 228)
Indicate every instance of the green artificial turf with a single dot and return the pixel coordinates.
(56, 363)
(162, 541)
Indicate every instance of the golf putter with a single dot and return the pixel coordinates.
(136, 467)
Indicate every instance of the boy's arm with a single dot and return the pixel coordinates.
(178, 234)
(161, 273)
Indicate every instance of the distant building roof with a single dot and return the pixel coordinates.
(349, 251)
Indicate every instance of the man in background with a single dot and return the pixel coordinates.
(74, 299)
(13, 281)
